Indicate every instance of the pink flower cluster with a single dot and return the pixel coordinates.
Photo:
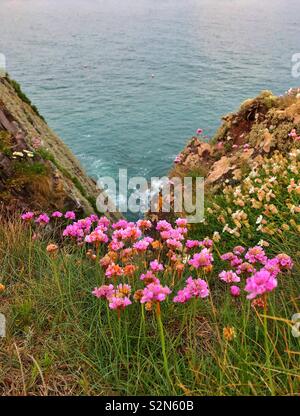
(195, 288)
(44, 219)
(293, 134)
(261, 272)
(118, 298)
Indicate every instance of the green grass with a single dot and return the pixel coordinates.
(62, 340)
(16, 86)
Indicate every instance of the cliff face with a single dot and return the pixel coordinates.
(37, 170)
(261, 127)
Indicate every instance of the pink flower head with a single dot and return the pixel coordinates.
(115, 245)
(260, 283)
(199, 132)
(104, 291)
(273, 267)
(197, 287)
(149, 277)
(155, 292)
(156, 266)
(121, 224)
(229, 277)
(94, 218)
(246, 268)
(207, 242)
(74, 231)
(56, 214)
(163, 226)
(235, 291)
(174, 244)
(70, 215)
(284, 261)
(239, 250)
(141, 245)
(27, 216)
(190, 244)
(235, 261)
(123, 289)
(202, 259)
(104, 223)
(256, 254)
(144, 224)
(113, 270)
(97, 236)
(228, 256)
(181, 222)
(116, 302)
(183, 296)
(43, 219)
(177, 159)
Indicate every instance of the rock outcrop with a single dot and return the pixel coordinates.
(37, 170)
(261, 126)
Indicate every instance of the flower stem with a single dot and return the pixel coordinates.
(163, 342)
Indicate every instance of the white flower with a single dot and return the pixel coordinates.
(259, 219)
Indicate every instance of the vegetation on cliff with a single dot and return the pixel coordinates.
(97, 307)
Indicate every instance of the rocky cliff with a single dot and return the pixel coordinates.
(262, 126)
(37, 170)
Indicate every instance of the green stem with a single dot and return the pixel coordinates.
(163, 342)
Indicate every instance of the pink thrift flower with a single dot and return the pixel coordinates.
(155, 292)
(207, 242)
(285, 261)
(199, 132)
(27, 216)
(97, 236)
(156, 266)
(190, 244)
(144, 224)
(256, 254)
(43, 219)
(235, 291)
(181, 222)
(113, 270)
(149, 277)
(239, 250)
(228, 256)
(273, 267)
(141, 245)
(70, 215)
(260, 283)
(183, 296)
(116, 245)
(174, 244)
(246, 268)
(116, 302)
(229, 277)
(121, 224)
(105, 291)
(104, 223)
(57, 214)
(202, 259)
(197, 287)
(163, 226)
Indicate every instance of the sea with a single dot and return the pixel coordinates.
(126, 83)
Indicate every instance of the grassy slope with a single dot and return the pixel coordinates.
(61, 340)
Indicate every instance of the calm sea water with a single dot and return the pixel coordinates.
(126, 82)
